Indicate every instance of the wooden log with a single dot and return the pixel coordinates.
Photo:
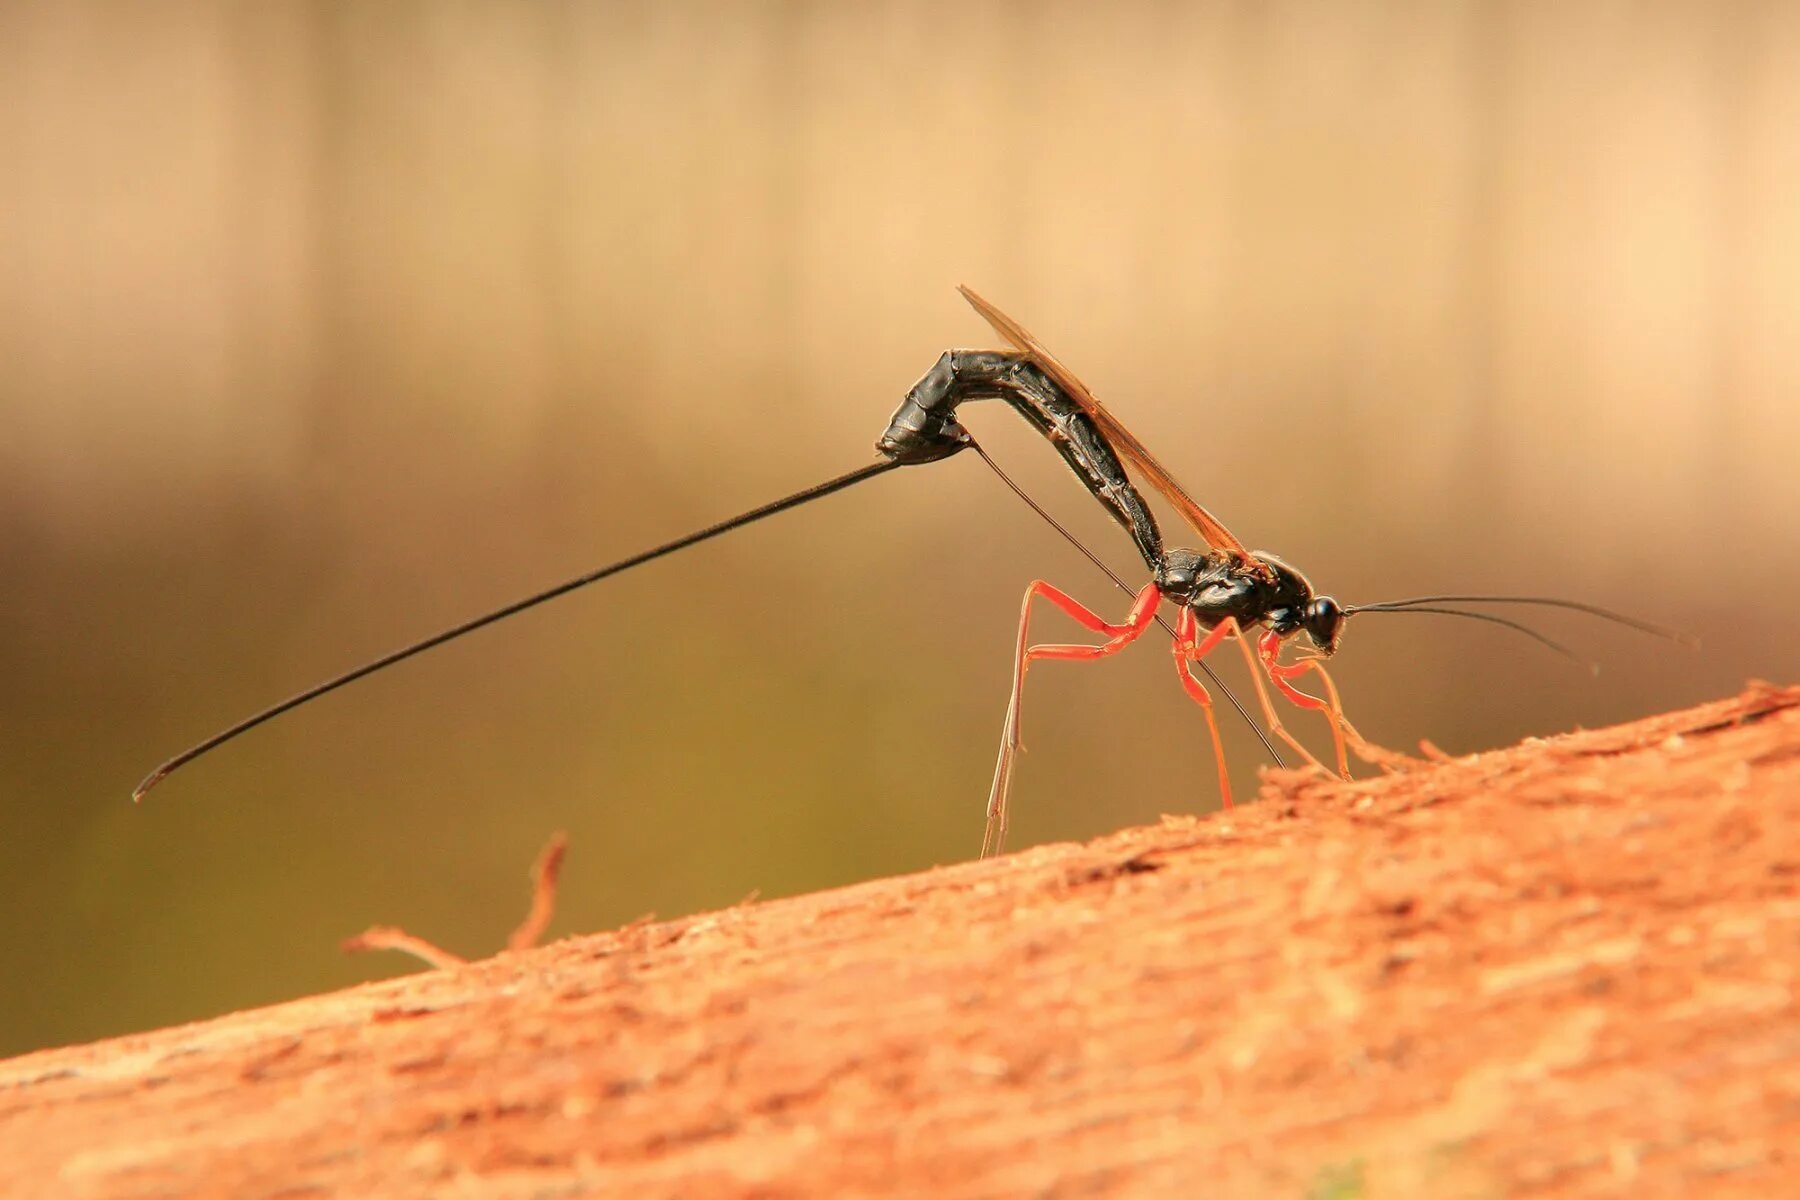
(1570, 967)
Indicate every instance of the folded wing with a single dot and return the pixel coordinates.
(1122, 439)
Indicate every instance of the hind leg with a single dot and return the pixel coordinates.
(1143, 611)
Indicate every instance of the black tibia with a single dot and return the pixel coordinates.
(924, 429)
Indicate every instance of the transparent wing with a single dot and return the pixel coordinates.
(1122, 439)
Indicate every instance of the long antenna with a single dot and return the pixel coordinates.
(1126, 588)
(387, 660)
(1490, 618)
(1605, 614)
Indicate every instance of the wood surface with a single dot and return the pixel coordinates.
(1565, 968)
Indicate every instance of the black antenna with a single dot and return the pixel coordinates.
(1126, 588)
(387, 660)
(1593, 610)
(1515, 626)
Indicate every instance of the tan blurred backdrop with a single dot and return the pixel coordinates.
(325, 325)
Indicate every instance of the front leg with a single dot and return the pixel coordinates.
(1342, 731)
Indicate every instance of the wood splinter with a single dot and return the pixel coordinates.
(544, 875)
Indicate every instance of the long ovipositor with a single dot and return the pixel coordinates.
(924, 429)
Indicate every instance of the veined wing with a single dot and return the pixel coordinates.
(1122, 439)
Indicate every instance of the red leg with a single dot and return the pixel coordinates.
(1369, 752)
(1279, 675)
(1188, 652)
(1188, 626)
(1257, 670)
(1143, 611)
(1270, 648)
(1331, 705)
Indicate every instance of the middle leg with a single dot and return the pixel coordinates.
(1189, 649)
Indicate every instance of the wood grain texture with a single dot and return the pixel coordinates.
(1565, 968)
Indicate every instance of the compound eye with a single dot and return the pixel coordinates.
(1324, 617)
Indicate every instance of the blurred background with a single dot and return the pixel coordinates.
(325, 325)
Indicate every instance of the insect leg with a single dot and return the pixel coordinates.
(1331, 705)
(1268, 706)
(1187, 652)
(1369, 752)
(1143, 612)
(1279, 675)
